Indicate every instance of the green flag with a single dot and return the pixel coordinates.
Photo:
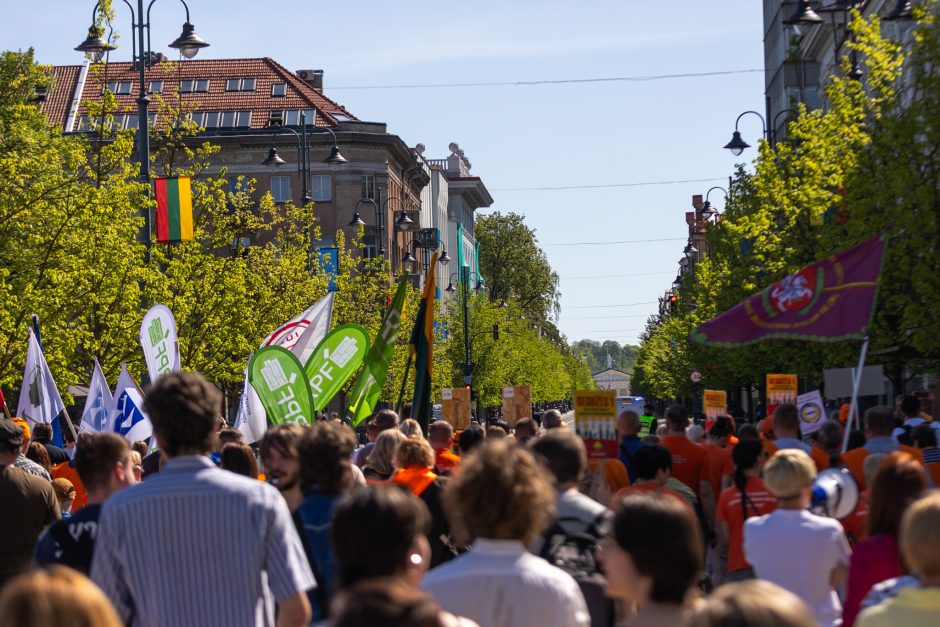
(334, 361)
(365, 393)
(277, 376)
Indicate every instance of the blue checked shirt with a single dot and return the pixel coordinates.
(197, 545)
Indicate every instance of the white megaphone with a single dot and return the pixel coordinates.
(835, 493)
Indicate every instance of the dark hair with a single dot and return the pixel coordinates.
(880, 420)
(387, 602)
(677, 417)
(238, 457)
(721, 428)
(649, 459)
(38, 453)
(663, 541)
(95, 459)
(470, 438)
(228, 435)
(564, 454)
(924, 436)
(787, 416)
(526, 426)
(386, 419)
(373, 531)
(910, 405)
(283, 439)
(42, 432)
(500, 494)
(748, 432)
(898, 482)
(183, 408)
(745, 455)
(324, 451)
(141, 447)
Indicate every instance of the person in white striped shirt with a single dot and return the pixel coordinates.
(197, 545)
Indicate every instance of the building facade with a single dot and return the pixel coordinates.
(249, 107)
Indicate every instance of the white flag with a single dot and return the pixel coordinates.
(127, 410)
(251, 419)
(159, 341)
(98, 404)
(301, 335)
(39, 398)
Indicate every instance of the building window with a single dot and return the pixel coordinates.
(292, 118)
(119, 88)
(322, 188)
(84, 124)
(132, 120)
(340, 117)
(368, 187)
(280, 188)
(275, 118)
(156, 87)
(240, 84)
(234, 119)
(370, 246)
(278, 90)
(193, 86)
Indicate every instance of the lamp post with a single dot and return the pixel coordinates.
(737, 145)
(188, 43)
(706, 209)
(274, 161)
(464, 278)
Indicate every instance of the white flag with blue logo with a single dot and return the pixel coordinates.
(39, 398)
(98, 404)
(127, 410)
(251, 419)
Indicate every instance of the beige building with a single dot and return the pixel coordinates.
(613, 379)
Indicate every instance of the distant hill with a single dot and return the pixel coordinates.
(595, 353)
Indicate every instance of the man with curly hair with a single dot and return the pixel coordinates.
(499, 502)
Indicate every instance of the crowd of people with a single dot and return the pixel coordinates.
(492, 526)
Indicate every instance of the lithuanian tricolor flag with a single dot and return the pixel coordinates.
(174, 209)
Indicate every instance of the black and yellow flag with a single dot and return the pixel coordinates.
(422, 350)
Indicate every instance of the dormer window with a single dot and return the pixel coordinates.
(278, 90)
(240, 84)
(193, 86)
(119, 88)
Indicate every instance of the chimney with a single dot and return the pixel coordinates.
(314, 78)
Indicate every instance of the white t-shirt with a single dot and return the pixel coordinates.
(497, 583)
(797, 550)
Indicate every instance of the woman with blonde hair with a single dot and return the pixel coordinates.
(793, 548)
(411, 428)
(754, 602)
(56, 597)
(381, 461)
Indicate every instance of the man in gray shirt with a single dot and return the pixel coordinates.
(197, 545)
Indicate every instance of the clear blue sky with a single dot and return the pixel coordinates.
(516, 136)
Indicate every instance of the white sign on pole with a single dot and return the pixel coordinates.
(812, 412)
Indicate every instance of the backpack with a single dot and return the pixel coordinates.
(576, 554)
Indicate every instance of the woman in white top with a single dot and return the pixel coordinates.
(799, 551)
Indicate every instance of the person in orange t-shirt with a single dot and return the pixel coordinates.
(718, 451)
(879, 424)
(786, 421)
(66, 470)
(689, 461)
(747, 498)
(441, 438)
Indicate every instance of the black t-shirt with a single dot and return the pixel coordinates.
(71, 541)
(56, 454)
(27, 505)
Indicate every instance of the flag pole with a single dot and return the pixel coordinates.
(404, 383)
(856, 384)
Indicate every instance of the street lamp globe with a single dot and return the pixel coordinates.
(189, 43)
(404, 223)
(335, 158)
(408, 259)
(803, 14)
(450, 289)
(479, 286)
(273, 161)
(444, 259)
(94, 45)
(356, 221)
(737, 145)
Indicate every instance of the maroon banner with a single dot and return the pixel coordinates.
(828, 301)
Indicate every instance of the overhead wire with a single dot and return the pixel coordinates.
(607, 185)
(560, 81)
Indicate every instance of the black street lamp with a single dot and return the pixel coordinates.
(188, 43)
(707, 211)
(464, 278)
(274, 161)
(737, 145)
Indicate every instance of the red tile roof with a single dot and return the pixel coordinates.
(265, 71)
